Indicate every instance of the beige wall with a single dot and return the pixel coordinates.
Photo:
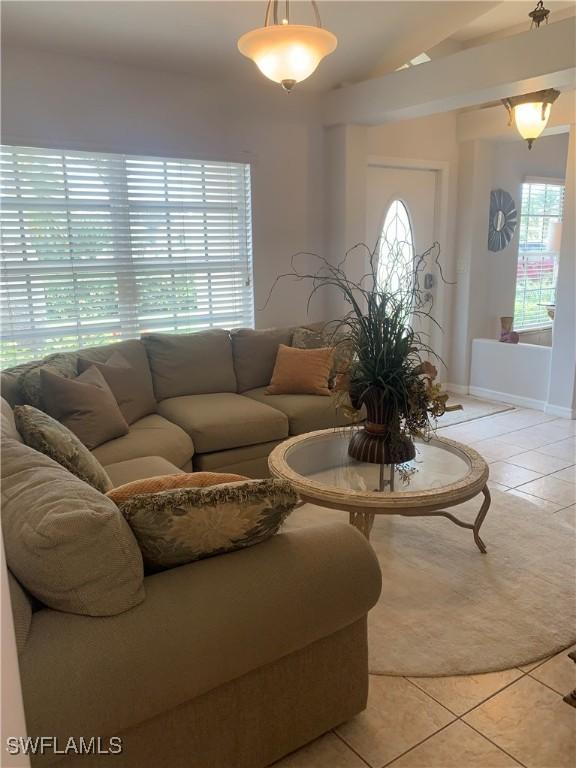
(72, 102)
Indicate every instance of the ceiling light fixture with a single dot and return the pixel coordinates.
(531, 112)
(538, 15)
(287, 53)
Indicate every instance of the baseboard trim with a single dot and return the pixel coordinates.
(456, 389)
(505, 397)
(560, 411)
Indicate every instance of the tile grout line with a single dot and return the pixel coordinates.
(495, 745)
(351, 748)
(418, 744)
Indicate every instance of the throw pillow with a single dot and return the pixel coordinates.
(170, 482)
(45, 434)
(67, 544)
(62, 363)
(305, 338)
(85, 405)
(180, 526)
(255, 353)
(135, 399)
(301, 371)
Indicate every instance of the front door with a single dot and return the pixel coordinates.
(401, 222)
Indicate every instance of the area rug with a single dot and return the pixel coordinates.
(447, 609)
(472, 408)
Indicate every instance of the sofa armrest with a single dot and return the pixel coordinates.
(201, 625)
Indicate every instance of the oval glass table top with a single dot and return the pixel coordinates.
(318, 465)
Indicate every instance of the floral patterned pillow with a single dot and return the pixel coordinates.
(48, 436)
(179, 526)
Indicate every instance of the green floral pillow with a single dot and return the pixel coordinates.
(48, 436)
(179, 526)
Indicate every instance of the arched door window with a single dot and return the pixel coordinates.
(396, 250)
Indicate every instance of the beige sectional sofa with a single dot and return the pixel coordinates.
(229, 662)
(207, 402)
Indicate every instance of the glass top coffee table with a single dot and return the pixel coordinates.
(444, 473)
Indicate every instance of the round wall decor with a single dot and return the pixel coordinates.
(503, 218)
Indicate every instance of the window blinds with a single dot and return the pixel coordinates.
(100, 247)
(542, 204)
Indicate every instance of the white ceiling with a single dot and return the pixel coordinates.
(200, 36)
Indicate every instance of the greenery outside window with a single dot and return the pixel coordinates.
(102, 247)
(542, 204)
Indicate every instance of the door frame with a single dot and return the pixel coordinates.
(439, 339)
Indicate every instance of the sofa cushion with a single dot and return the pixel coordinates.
(249, 460)
(170, 482)
(305, 413)
(62, 364)
(255, 354)
(65, 542)
(182, 525)
(128, 375)
(220, 421)
(85, 405)
(190, 364)
(151, 436)
(21, 612)
(7, 423)
(194, 632)
(123, 472)
(43, 433)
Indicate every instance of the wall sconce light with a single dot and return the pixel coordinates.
(531, 112)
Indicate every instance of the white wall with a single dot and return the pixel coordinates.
(430, 141)
(512, 163)
(562, 390)
(510, 373)
(61, 101)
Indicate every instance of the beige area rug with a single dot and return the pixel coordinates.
(472, 408)
(446, 609)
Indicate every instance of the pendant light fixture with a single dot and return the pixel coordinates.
(284, 52)
(531, 112)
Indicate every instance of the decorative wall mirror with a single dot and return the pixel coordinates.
(503, 218)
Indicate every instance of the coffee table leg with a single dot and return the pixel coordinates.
(363, 521)
(480, 519)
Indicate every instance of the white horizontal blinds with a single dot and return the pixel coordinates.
(542, 204)
(98, 247)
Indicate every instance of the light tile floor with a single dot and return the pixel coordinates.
(497, 720)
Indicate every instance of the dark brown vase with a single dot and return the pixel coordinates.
(380, 440)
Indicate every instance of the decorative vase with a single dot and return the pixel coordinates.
(507, 335)
(380, 440)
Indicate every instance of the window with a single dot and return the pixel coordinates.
(542, 203)
(99, 247)
(396, 251)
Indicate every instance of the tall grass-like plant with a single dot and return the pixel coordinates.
(386, 327)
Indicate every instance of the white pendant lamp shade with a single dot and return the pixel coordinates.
(531, 119)
(287, 53)
(284, 52)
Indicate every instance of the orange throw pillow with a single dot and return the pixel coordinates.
(301, 371)
(169, 482)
